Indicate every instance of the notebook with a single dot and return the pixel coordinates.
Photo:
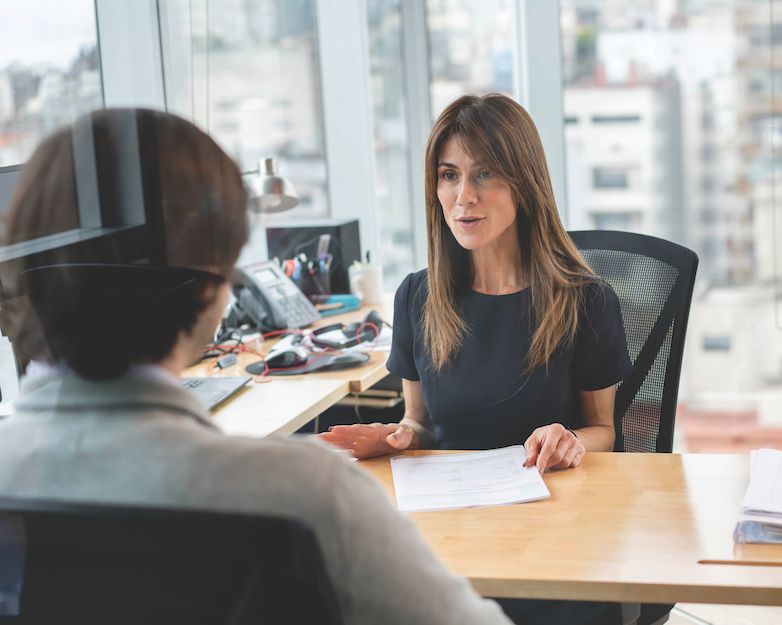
(213, 391)
(760, 516)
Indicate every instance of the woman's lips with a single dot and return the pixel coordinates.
(468, 223)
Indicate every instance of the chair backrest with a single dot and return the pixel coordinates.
(95, 564)
(653, 279)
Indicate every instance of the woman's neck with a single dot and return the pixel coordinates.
(498, 270)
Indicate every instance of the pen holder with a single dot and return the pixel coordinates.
(314, 284)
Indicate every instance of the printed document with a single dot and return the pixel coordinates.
(760, 515)
(479, 478)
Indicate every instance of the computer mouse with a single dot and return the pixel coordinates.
(292, 356)
(346, 360)
(320, 362)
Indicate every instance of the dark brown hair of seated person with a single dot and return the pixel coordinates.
(497, 132)
(195, 206)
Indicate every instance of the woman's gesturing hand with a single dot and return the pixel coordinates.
(553, 447)
(369, 440)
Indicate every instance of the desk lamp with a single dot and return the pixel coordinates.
(270, 192)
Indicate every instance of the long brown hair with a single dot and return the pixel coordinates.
(499, 133)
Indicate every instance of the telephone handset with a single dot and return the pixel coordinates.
(271, 300)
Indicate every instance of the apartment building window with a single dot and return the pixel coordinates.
(616, 220)
(610, 178)
(616, 119)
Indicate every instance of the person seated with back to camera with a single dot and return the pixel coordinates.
(508, 337)
(104, 420)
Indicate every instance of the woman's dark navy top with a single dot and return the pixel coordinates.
(483, 399)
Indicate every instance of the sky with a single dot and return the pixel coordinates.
(45, 31)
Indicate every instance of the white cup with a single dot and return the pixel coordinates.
(366, 282)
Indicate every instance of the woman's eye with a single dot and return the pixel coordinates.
(483, 175)
(448, 175)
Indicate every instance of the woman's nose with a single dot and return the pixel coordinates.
(466, 194)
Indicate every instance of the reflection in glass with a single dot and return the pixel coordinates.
(49, 71)
(12, 557)
(192, 206)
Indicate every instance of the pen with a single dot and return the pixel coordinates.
(323, 244)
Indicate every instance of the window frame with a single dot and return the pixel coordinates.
(131, 75)
(343, 48)
(538, 86)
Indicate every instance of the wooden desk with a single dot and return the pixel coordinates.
(277, 407)
(282, 405)
(621, 527)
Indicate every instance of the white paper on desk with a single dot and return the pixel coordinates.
(764, 493)
(480, 478)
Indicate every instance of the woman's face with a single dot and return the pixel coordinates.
(478, 205)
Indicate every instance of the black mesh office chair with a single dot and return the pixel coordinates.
(653, 280)
(97, 565)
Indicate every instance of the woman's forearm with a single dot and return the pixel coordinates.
(597, 437)
(598, 416)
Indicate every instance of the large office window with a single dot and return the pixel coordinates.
(392, 171)
(248, 73)
(472, 48)
(49, 75)
(49, 71)
(464, 46)
(670, 127)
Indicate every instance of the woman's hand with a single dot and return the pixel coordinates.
(553, 447)
(369, 440)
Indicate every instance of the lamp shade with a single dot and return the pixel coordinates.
(271, 193)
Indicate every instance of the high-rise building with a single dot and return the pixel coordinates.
(700, 53)
(759, 105)
(624, 173)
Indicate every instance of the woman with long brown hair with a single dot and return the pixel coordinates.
(509, 336)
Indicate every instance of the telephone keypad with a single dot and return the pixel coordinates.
(299, 314)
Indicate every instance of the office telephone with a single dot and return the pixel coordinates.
(269, 300)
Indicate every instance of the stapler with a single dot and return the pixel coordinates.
(335, 304)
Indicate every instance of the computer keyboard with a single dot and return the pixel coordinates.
(192, 382)
(214, 390)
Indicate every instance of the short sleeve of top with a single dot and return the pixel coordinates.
(401, 361)
(484, 398)
(600, 357)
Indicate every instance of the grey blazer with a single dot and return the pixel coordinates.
(145, 441)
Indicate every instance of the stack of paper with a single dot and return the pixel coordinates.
(760, 516)
(480, 478)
